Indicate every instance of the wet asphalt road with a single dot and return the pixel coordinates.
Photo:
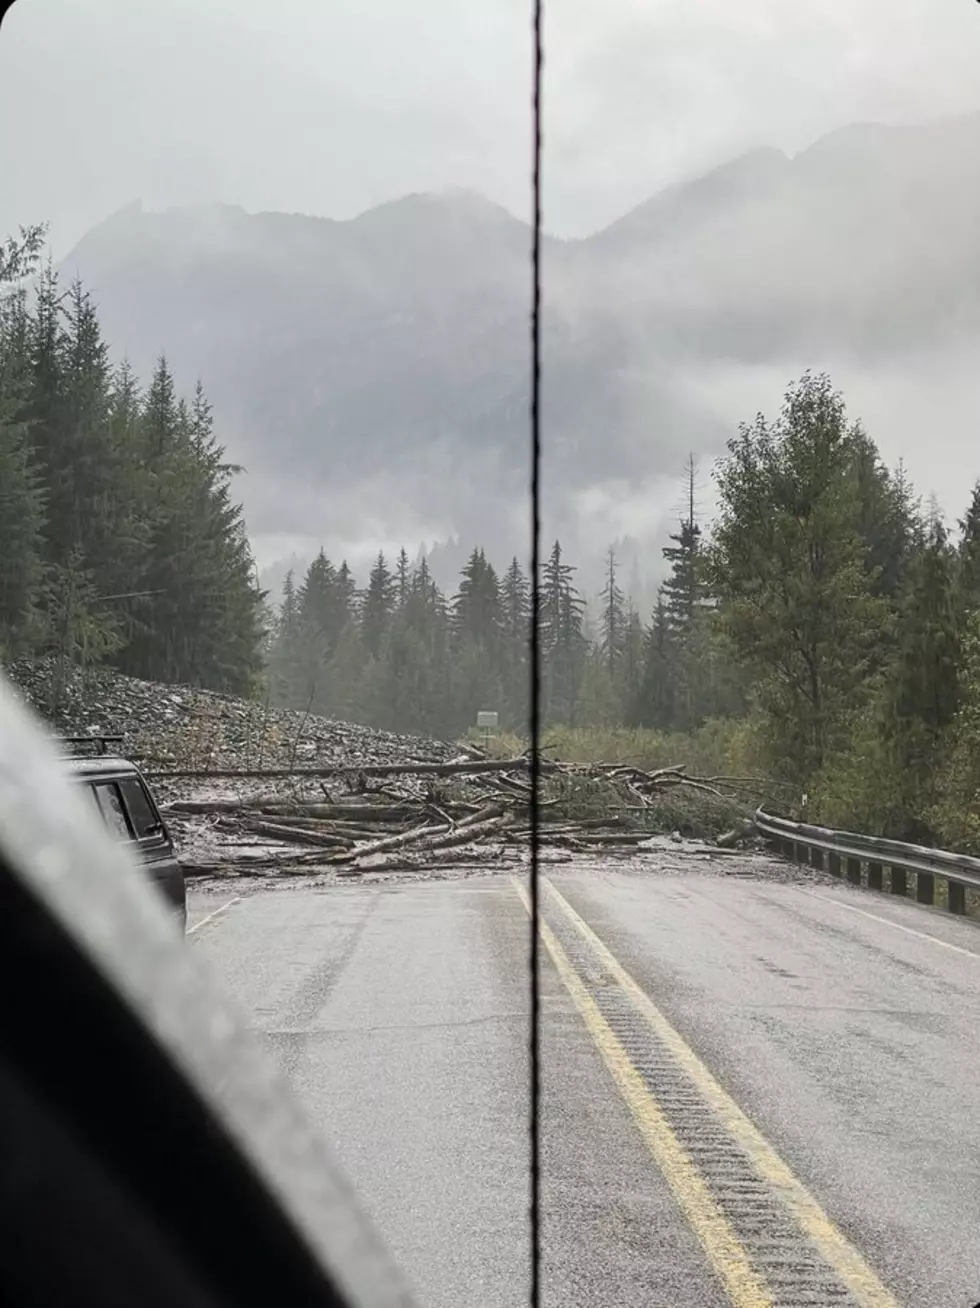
(843, 1023)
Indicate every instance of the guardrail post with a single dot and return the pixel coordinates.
(925, 888)
(845, 854)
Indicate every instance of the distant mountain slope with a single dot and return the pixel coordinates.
(373, 374)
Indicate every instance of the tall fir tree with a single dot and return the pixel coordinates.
(654, 702)
(377, 605)
(613, 621)
(968, 557)
(515, 624)
(922, 685)
(202, 621)
(562, 641)
(22, 502)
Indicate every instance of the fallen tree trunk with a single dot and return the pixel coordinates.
(423, 843)
(299, 835)
(456, 767)
(242, 864)
(389, 842)
(745, 830)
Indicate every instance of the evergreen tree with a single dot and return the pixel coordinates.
(402, 579)
(654, 703)
(285, 657)
(317, 601)
(888, 519)
(118, 533)
(562, 642)
(922, 686)
(202, 622)
(346, 675)
(46, 412)
(515, 625)
(476, 625)
(681, 590)
(630, 674)
(790, 566)
(968, 570)
(956, 813)
(104, 501)
(346, 593)
(476, 606)
(22, 507)
(19, 257)
(377, 607)
(613, 628)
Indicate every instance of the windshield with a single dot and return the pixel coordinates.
(266, 405)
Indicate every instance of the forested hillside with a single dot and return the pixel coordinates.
(823, 630)
(119, 539)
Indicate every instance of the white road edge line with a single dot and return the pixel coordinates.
(211, 916)
(875, 917)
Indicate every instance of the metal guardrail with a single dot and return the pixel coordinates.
(76, 746)
(847, 853)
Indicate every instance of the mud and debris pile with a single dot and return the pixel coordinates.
(253, 791)
(183, 728)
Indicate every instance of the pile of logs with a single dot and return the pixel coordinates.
(408, 816)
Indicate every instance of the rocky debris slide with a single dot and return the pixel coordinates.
(251, 790)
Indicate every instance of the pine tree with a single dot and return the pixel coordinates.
(316, 631)
(104, 491)
(688, 617)
(476, 626)
(515, 625)
(317, 600)
(682, 588)
(403, 573)
(202, 622)
(377, 607)
(285, 658)
(654, 703)
(476, 606)
(562, 642)
(922, 686)
(888, 519)
(968, 569)
(46, 412)
(956, 813)
(630, 673)
(22, 508)
(613, 630)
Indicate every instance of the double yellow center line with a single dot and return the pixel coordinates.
(744, 1282)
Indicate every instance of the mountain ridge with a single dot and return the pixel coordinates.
(372, 372)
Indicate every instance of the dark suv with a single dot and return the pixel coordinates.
(125, 803)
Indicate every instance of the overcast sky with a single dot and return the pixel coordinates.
(331, 106)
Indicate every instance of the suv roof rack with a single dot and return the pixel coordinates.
(85, 746)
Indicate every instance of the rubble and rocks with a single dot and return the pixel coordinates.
(185, 728)
(252, 791)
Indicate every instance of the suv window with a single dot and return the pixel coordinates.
(144, 817)
(110, 802)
